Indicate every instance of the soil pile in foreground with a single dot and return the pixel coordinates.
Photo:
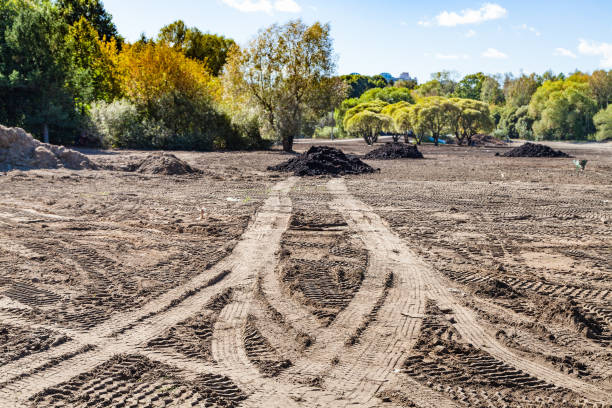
(391, 151)
(19, 150)
(161, 163)
(322, 160)
(535, 150)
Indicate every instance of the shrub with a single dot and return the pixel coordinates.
(603, 123)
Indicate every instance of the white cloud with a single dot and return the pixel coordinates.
(470, 34)
(493, 53)
(489, 11)
(529, 28)
(562, 52)
(251, 6)
(288, 6)
(601, 49)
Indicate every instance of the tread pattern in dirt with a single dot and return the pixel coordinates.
(441, 361)
(260, 352)
(135, 381)
(321, 264)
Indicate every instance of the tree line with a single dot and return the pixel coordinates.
(67, 76)
(533, 107)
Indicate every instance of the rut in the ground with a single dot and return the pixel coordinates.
(35, 376)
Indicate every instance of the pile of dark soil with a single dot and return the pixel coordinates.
(535, 150)
(391, 151)
(160, 163)
(19, 150)
(485, 140)
(322, 160)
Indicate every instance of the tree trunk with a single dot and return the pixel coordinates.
(46, 133)
(288, 143)
(435, 140)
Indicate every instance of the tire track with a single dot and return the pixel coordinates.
(136, 328)
(427, 284)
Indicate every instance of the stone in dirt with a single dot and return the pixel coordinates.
(160, 163)
(390, 151)
(535, 150)
(19, 150)
(323, 160)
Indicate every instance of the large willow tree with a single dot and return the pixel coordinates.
(287, 71)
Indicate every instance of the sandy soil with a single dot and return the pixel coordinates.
(463, 279)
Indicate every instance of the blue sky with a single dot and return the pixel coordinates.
(409, 36)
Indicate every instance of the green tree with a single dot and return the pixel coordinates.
(491, 92)
(563, 110)
(375, 106)
(518, 91)
(515, 122)
(93, 11)
(434, 116)
(389, 95)
(285, 70)
(468, 118)
(92, 74)
(600, 83)
(369, 125)
(358, 84)
(402, 123)
(603, 123)
(208, 48)
(470, 87)
(33, 70)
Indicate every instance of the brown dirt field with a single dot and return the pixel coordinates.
(460, 280)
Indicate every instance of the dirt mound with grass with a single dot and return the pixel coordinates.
(323, 160)
(19, 150)
(160, 163)
(535, 150)
(391, 151)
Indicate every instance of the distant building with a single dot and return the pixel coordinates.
(406, 77)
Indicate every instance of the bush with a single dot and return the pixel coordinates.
(116, 124)
(603, 123)
(180, 127)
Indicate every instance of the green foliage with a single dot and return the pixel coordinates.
(287, 73)
(369, 125)
(467, 117)
(210, 49)
(389, 95)
(91, 74)
(491, 92)
(470, 87)
(358, 84)
(34, 70)
(600, 83)
(603, 123)
(375, 106)
(515, 123)
(563, 110)
(518, 92)
(93, 11)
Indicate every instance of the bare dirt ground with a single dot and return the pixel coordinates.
(459, 280)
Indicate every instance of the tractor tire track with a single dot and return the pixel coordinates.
(138, 327)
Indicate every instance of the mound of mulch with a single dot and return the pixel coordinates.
(160, 163)
(19, 150)
(390, 151)
(486, 140)
(323, 160)
(535, 150)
